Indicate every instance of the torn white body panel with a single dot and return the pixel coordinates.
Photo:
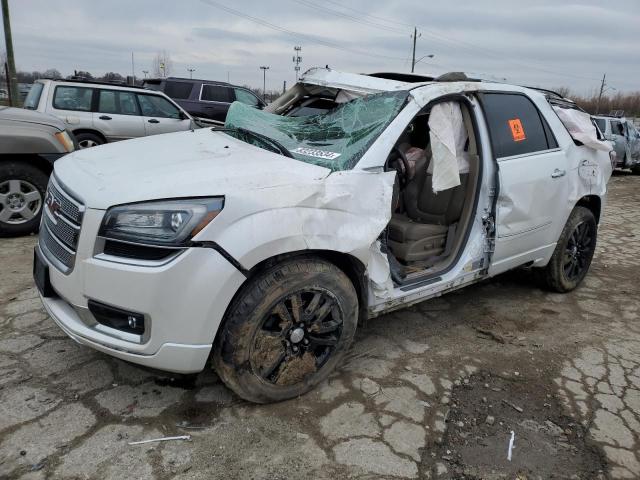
(345, 212)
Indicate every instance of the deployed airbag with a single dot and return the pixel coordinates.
(581, 128)
(448, 136)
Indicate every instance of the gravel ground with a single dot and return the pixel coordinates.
(433, 391)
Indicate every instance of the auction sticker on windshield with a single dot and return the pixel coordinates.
(312, 152)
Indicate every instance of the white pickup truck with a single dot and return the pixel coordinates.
(259, 246)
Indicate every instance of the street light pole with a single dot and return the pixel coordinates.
(264, 69)
(422, 58)
(14, 95)
(191, 70)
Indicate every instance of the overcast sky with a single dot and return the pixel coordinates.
(550, 43)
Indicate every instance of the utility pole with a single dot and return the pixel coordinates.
(14, 95)
(191, 70)
(297, 59)
(602, 86)
(413, 59)
(264, 69)
(133, 69)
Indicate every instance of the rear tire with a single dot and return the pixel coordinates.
(635, 169)
(287, 330)
(22, 190)
(88, 140)
(574, 251)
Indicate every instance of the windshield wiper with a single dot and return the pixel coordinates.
(263, 138)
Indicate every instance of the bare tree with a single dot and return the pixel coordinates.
(162, 64)
(627, 101)
(51, 73)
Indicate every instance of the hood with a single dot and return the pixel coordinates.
(176, 165)
(30, 116)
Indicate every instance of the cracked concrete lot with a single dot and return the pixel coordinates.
(433, 391)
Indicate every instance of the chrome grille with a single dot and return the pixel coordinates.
(68, 207)
(65, 231)
(55, 248)
(60, 227)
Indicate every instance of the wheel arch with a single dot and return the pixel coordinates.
(35, 160)
(350, 265)
(593, 203)
(91, 131)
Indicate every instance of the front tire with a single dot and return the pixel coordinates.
(22, 190)
(574, 251)
(287, 330)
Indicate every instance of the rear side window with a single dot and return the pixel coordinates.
(156, 106)
(123, 103)
(178, 90)
(72, 98)
(246, 97)
(616, 127)
(215, 93)
(602, 124)
(515, 125)
(33, 97)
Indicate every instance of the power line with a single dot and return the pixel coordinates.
(302, 36)
(359, 20)
(436, 37)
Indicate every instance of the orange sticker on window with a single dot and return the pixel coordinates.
(517, 132)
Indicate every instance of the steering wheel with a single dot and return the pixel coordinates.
(400, 164)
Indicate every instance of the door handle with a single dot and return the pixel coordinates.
(104, 117)
(153, 120)
(557, 173)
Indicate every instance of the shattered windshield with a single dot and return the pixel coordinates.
(335, 140)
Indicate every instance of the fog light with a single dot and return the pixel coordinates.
(117, 318)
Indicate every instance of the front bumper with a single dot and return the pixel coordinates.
(183, 300)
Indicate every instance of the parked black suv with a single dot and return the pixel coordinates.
(204, 98)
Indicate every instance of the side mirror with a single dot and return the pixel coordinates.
(182, 115)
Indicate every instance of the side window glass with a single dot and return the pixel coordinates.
(246, 97)
(602, 124)
(616, 128)
(72, 98)
(155, 106)
(107, 102)
(215, 93)
(515, 125)
(178, 90)
(127, 103)
(551, 139)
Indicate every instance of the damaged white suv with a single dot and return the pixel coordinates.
(259, 246)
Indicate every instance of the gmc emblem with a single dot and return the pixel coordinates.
(54, 204)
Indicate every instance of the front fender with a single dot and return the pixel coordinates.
(344, 212)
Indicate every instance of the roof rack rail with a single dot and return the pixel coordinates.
(95, 82)
(184, 79)
(402, 77)
(547, 91)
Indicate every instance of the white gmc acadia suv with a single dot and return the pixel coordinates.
(259, 246)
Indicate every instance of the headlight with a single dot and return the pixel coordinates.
(169, 223)
(65, 140)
